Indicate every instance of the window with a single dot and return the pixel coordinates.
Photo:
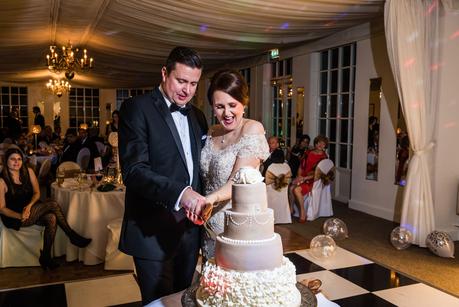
(246, 74)
(13, 98)
(282, 68)
(336, 102)
(124, 93)
(84, 107)
(282, 106)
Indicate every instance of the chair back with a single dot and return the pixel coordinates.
(100, 148)
(83, 158)
(279, 175)
(44, 170)
(318, 203)
(325, 171)
(69, 168)
(277, 178)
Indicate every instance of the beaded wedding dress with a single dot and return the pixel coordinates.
(216, 167)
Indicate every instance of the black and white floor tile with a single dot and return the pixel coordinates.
(347, 279)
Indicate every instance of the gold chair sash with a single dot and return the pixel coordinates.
(279, 181)
(325, 178)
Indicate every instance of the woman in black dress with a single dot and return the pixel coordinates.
(20, 206)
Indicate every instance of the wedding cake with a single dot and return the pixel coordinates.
(249, 268)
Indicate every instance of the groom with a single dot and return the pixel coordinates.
(160, 143)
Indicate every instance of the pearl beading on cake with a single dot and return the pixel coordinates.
(247, 242)
(250, 219)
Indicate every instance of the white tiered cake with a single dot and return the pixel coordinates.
(248, 269)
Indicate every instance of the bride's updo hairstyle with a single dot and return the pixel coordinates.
(230, 82)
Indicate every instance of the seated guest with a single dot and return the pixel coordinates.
(23, 143)
(89, 142)
(273, 143)
(57, 134)
(20, 206)
(305, 177)
(297, 153)
(71, 146)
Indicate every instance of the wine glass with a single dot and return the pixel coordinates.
(99, 177)
(81, 179)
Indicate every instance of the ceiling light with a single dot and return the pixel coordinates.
(58, 87)
(67, 59)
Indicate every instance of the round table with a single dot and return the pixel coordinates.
(88, 212)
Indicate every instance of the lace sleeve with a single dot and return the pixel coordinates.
(253, 145)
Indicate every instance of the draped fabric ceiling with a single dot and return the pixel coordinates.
(130, 39)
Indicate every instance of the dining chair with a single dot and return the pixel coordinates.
(83, 158)
(43, 179)
(277, 178)
(69, 169)
(101, 148)
(20, 247)
(318, 203)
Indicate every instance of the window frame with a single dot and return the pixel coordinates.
(13, 96)
(337, 94)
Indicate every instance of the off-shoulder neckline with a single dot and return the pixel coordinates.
(243, 135)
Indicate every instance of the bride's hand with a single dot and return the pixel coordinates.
(211, 199)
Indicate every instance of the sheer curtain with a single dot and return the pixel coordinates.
(411, 34)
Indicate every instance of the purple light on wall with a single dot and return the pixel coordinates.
(284, 26)
(203, 28)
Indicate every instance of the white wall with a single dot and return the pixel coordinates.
(374, 197)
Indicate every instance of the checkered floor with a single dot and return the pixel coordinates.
(347, 279)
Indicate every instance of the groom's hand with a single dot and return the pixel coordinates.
(193, 203)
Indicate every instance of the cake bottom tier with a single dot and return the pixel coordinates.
(249, 255)
(220, 287)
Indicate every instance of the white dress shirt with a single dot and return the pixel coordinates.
(181, 123)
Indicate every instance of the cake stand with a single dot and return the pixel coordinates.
(308, 299)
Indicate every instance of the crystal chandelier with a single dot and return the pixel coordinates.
(58, 87)
(67, 60)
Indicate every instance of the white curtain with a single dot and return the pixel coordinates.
(411, 33)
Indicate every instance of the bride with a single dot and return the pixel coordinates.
(233, 143)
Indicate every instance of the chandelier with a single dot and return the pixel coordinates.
(67, 60)
(58, 87)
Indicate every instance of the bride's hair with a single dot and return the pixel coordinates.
(230, 82)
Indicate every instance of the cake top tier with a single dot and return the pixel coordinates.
(249, 192)
(247, 175)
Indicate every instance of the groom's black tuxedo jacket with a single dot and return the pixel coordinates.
(155, 173)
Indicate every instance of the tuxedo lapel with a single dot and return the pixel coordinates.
(161, 105)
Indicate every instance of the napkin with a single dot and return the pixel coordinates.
(69, 183)
(106, 187)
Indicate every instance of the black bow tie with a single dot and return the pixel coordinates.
(184, 110)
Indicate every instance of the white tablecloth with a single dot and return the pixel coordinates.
(88, 212)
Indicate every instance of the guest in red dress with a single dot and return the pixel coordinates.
(305, 178)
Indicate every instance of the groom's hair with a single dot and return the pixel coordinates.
(183, 55)
(230, 82)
